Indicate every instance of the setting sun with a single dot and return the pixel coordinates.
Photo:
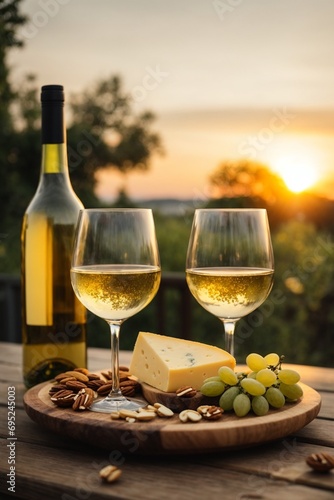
(298, 172)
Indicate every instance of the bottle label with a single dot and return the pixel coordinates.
(38, 269)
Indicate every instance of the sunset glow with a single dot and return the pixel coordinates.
(299, 172)
(269, 100)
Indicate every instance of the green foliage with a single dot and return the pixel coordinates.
(105, 132)
(296, 320)
(88, 151)
(246, 178)
(172, 235)
(10, 21)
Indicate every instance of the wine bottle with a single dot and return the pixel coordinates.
(53, 320)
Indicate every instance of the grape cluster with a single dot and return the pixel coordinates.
(267, 385)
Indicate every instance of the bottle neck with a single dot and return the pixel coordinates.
(54, 159)
(54, 153)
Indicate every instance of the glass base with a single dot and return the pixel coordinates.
(111, 404)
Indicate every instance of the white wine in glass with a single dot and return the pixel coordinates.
(230, 263)
(115, 273)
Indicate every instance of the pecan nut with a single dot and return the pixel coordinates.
(129, 387)
(75, 385)
(320, 462)
(93, 376)
(123, 374)
(104, 389)
(64, 380)
(63, 398)
(186, 392)
(55, 388)
(211, 412)
(95, 384)
(107, 375)
(83, 399)
(123, 368)
(128, 391)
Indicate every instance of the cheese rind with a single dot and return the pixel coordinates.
(168, 363)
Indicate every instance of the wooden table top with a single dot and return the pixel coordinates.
(49, 466)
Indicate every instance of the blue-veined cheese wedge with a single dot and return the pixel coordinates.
(168, 363)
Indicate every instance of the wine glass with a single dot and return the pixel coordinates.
(230, 263)
(115, 273)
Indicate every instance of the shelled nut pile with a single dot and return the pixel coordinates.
(159, 410)
(79, 387)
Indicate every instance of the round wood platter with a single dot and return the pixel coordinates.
(169, 435)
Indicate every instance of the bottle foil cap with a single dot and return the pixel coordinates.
(53, 130)
(52, 93)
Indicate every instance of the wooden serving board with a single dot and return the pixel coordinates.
(166, 436)
(175, 403)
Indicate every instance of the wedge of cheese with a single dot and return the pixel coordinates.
(168, 363)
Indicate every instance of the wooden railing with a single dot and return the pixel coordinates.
(175, 281)
(10, 306)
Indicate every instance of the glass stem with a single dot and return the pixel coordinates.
(114, 333)
(229, 327)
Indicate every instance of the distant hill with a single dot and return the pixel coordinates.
(170, 206)
(304, 206)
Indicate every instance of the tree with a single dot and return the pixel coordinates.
(105, 132)
(246, 184)
(245, 178)
(10, 20)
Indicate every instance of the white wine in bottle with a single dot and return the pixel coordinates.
(53, 320)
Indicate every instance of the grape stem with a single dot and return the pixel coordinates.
(279, 364)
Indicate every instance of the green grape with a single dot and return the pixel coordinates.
(213, 388)
(227, 375)
(275, 397)
(288, 376)
(272, 359)
(241, 405)
(292, 392)
(227, 398)
(260, 405)
(252, 375)
(210, 379)
(253, 387)
(267, 377)
(256, 362)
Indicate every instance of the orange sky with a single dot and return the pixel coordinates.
(301, 151)
(252, 80)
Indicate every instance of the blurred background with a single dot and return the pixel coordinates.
(175, 106)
